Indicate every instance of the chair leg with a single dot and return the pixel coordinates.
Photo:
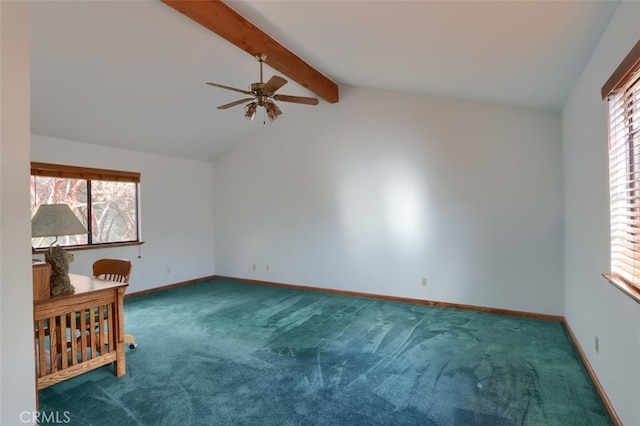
(128, 338)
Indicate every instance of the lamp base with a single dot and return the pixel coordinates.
(59, 261)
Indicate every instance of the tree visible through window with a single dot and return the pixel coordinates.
(105, 201)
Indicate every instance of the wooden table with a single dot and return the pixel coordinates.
(78, 332)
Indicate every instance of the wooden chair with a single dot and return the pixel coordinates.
(115, 270)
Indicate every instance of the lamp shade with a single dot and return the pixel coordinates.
(54, 220)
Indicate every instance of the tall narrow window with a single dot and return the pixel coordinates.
(105, 201)
(622, 91)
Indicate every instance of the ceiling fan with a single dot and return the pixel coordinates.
(263, 95)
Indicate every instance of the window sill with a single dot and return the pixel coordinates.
(94, 246)
(622, 285)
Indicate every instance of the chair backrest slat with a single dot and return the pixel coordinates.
(112, 269)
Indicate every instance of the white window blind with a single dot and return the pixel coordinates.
(624, 172)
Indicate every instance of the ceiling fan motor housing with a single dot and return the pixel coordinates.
(256, 87)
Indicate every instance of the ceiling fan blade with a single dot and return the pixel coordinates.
(229, 105)
(296, 99)
(246, 92)
(273, 84)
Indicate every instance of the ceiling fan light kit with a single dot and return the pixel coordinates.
(272, 110)
(250, 110)
(263, 95)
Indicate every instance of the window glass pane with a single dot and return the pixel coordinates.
(47, 190)
(114, 214)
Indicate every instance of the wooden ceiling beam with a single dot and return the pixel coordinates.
(233, 27)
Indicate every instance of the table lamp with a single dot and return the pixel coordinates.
(55, 220)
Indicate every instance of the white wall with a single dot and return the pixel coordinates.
(592, 306)
(384, 188)
(175, 214)
(17, 383)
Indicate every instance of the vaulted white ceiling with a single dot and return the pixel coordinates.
(132, 74)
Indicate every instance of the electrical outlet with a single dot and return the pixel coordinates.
(597, 342)
(424, 282)
(267, 267)
(168, 270)
(253, 267)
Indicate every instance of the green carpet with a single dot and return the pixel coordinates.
(229, 353)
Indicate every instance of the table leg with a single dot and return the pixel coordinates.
(120, 365)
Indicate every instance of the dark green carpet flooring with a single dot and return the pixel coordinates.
(228, 353)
